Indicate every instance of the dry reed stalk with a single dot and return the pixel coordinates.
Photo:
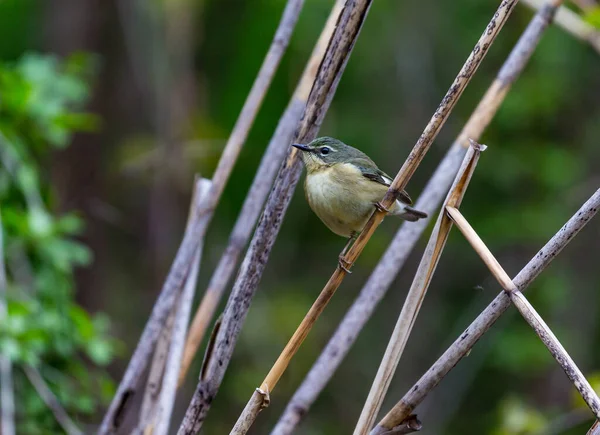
(465, 342)
(595, 429)
(259, 398)
(7, 396)
(157, 368)
(528, 312)
(182, 318)
(271, 161)
(416, 294)
(330, 71)
(185, 254)
(572, 23)
(51, 401)
(171, 335)
(408, 234)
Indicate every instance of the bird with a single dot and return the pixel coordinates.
(343, 186)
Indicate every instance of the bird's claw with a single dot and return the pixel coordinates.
(344, 265)
(381, 208)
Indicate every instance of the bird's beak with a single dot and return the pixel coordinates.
(301, 147)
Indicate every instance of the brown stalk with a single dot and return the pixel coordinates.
(185, 255)
(528, 312)
(259, 398)
(572, 23)
(157, 368)
(416, 294)
(271, 161)
(158, 393)
(168, 389)
(330, 71)
(406, 238)
(465, 342)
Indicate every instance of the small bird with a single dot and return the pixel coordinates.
(343, 186)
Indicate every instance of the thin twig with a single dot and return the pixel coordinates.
(394, 258)
(488, 317)
(184, 308)
(185, 255)
(336, 56)
(7, 396)
(528, 312)
(51, 401)
(416, 295)
(572, 23)
(271, 161)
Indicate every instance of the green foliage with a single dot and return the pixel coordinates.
(40, 108)
(518, 418)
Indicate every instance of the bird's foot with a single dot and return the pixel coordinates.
(380, 207)
(344, 265)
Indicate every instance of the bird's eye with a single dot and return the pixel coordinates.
(325, 151)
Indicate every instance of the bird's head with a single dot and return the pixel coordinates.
(324, 152)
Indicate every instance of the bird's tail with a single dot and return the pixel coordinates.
(411, 214)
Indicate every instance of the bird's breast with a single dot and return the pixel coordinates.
(340, 197)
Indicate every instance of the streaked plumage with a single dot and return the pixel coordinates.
(343, 184)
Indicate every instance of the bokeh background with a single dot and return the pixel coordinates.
(163, 82)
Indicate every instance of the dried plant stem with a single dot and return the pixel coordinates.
(271, 161)
(336, 56)
(414, 159)
(595, 429)
(184, 308)
(185, 255)
(157, 368)
(486, 319)
(408, 234)
(51, 401)
(159, 393)
(572, 23)
(435, 124)
(7, 399)
(416, 295)
(528, 312)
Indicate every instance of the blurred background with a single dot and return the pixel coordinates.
(109, 107)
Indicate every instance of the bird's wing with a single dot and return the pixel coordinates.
(375, 174)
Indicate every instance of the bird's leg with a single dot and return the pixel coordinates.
(344, 265)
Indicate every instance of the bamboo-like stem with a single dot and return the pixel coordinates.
(572, 23)
(416, 294)
(7, 396)
(158, 393)
(488, 317)
(185, 255)
(184, 309)
(410, 425)
(274, 154)
(157, 368)
(528, 312)
(330, 71)
(399, 182)
(408, 234)
(595, 429)
(51, 401)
